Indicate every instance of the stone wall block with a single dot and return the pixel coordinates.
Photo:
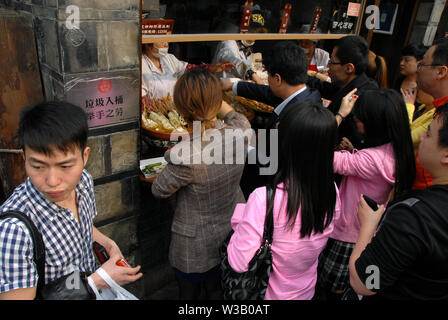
(109, 200)
(95, 164)
(79, 47)
(105, 5)
(47, 42)
(124, 151)
(123, 232)
(51, 3)
(122, 36)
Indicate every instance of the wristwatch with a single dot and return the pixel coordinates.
(249, 74)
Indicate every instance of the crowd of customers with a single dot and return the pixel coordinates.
(389, 144)
(329, 158)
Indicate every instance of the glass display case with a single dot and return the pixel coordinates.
(214, 20)
(197, 30)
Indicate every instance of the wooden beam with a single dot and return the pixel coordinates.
(411, 22)
(237, 36)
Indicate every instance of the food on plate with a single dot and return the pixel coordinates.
(154, 168)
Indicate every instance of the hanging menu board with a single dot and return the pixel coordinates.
(157, 27)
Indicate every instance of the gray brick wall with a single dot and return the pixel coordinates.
(105, 45)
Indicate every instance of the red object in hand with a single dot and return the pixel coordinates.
(123, 263)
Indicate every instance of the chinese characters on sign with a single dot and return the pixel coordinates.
(341, 22)
(108, 107)
(106, 100)
(353, 9)
(343, 26)
(157, 26)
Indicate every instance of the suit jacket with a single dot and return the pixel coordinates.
(264, 94)
(331, 92)
(206, 196)
(251, 177)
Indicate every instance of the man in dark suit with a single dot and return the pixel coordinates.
(347, 67)
(287, 65)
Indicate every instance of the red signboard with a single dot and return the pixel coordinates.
(285, 18)
(245, 19)
(154, 27)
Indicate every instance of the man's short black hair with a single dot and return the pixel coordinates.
(53, 125)
(415, 50)
(354, 50)
(288, 60)
(440, 55)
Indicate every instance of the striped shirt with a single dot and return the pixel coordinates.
(68, 243)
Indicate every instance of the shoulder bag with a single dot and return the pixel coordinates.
(73, 286)
(252, 284)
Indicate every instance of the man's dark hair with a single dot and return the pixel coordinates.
(53, 125)
(354, 50)
(288, 60)
(415, 50)
(440, 55)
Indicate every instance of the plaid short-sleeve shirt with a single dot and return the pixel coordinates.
(68, 243)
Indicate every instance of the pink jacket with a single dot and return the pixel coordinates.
(369, 171)
(295, 259)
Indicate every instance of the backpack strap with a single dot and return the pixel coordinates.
(39, 248)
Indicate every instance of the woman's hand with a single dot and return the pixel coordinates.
(348, 102)
(221, 66)
(409, 95)
(345, 145)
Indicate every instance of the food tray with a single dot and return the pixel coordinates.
(253, 104)
(144, 163)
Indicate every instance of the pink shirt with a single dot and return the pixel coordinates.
(295, 259)
(369, 171)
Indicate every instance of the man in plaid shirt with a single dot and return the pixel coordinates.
(58, 196)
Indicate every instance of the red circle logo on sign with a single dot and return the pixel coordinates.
(104, 86)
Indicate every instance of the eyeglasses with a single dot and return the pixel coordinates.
(332, 62)
(419, 65)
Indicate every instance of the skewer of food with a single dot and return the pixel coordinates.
(244, 102)
(160, 115)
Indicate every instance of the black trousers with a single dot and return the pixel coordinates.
(204, 290)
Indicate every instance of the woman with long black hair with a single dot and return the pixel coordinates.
(384, 169)
(305, 205)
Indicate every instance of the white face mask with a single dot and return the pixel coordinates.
(162, 52)
(307, 51)
(244, 42)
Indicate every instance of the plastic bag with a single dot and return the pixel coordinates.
(114, 292)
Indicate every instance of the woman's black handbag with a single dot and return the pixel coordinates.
(252, 284)
(73, 286)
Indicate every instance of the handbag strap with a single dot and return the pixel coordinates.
(269, 220)
(39, 247)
